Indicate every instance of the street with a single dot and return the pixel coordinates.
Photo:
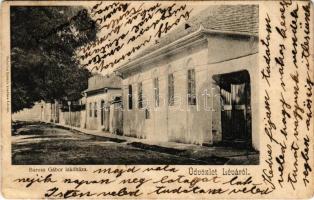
(43, 144)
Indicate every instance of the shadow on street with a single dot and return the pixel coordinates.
(44, 144)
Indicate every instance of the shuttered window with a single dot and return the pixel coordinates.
(102, 112)
(95, 109)
(140, 94)
(156, 91)
(191, 87)
(90, 110)
(130, 99)
(170, 90)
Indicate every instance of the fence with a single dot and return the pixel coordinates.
(72, 118)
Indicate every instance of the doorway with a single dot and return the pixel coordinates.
(102, 114)
(235, 104)
(107, 117)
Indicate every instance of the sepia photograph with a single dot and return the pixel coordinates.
(135, 84)
(157, 99)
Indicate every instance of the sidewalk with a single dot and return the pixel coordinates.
(216, 155)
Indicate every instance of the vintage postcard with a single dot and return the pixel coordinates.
(157, 100)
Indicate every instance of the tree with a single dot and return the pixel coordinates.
(44, 40)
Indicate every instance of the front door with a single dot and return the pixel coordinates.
(235, 112)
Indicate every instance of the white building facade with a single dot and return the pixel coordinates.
(101, 112)
(200, 84)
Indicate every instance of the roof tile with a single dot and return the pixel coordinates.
(224, 18)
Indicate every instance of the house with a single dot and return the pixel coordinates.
(102, 100)
(199, 84)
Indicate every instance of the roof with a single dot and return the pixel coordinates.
(231, 19)
(98, 82)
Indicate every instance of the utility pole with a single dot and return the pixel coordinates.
(69, 104)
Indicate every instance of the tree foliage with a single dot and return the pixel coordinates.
(43, 44)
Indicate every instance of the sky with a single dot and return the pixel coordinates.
(120, 37)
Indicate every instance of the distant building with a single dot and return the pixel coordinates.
(102, 101)
(199, 84)
(100, 108)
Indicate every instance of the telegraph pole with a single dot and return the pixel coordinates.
(69, 104)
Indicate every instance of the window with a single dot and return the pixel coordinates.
(147, 114)
(90, 110)
(130, 99)
(156, 91)
(95, 109)
(191, 87)
(140, 94)
(170, 90)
